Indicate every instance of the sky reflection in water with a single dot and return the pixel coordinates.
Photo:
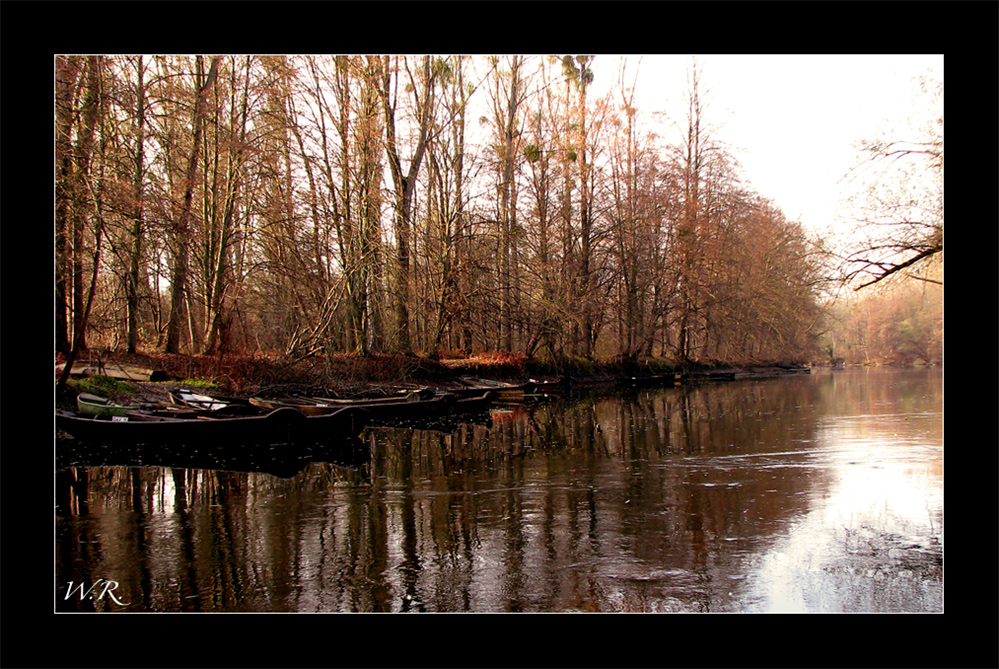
(815, 493)
(867, 544)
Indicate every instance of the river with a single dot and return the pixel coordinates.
(816, 492)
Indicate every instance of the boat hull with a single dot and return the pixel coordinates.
(504, 392)
(391, 412)
(474, 403)
(282, 426)
(385, 411)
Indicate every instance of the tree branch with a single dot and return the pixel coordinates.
(889, 269)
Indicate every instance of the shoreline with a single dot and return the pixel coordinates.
(351, 375)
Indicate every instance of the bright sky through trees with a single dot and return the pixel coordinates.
(790, 120)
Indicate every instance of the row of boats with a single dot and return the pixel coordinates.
(194, 417)
(277, 435)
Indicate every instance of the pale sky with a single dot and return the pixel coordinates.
(790, 120)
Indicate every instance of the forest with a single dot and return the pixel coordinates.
(419, 205)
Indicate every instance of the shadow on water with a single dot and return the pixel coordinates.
(688, 499)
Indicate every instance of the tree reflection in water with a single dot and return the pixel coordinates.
(656, 500)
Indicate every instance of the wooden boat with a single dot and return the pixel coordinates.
(382, 395)
(380, 410)
(283, 426)
(710, 375)
(184, 399)
(550, 387)
(447, 404)
(307, 407)
(474, 404)
(651, 380)
(389, 413)
(408, 396)
(94, 405)
(505, 392)
(197, 401)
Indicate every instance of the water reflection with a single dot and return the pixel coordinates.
(874, 541)
(745, 496)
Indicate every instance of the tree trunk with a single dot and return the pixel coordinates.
(135, 253)
(506, 105)
(182, 224)
(67, 71)
(405, 185)
(84, 150)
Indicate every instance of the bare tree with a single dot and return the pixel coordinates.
(547, 305)
(203, 85)
(506, 98)
(897, 198)
(84, 208)
(251, 194)
(446, 225)
(421, 83)
(579, 72)
(67, 73)
(701, 163)
(228, 159)
(134, 276)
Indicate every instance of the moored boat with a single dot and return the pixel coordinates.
(475, 403)
(308, 406)
(550, 387)
(652, 380)
(185, 399)
(94, 405)
(429, 409)
(196, 400)
(380, 410)
(506, 392)
(285, 425)
(401, 396)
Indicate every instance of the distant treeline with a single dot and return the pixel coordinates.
(899, 326)
(324, 204)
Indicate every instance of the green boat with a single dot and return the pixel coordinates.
(93, 405)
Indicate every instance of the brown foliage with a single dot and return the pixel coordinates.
(601, 240)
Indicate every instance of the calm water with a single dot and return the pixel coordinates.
(809, 493)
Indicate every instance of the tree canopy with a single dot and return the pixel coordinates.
(309, 205)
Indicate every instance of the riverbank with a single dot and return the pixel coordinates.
(352, 375)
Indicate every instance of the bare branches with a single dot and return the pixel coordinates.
(325, 204)
(896, 199)
(881, 270)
